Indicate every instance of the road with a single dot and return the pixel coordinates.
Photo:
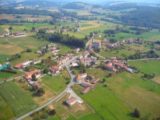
(58, 97)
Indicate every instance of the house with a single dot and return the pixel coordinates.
(4, 67)
(55, 69)
(37, 62)
(78, 50)
(88, 61)
(96, 45)
(34, 84)
(29, 75)
(18, 34)
(71, 101)
(86, 54)
(86, 90)
(85, 84)
(74, 64)
(27, 63)
(19, 66)
(117, 65)
(109, 66)
(81, 77)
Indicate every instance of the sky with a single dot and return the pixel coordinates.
(101, 1)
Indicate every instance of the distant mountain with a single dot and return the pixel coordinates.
(41, 3)
(76, 5)
(71, 3)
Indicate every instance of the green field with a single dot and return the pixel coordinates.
(6, 75)
(17, 100)
(27, 26)
(56, 83)
(147, 66)
(12, 46)
(124, 93)
(123, 52)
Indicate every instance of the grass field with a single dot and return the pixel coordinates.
(10, 46)
(124, 51)
(91, 26)
(137, 93)
(17, 100)
(124, 93)
(6, 112)
(27, 26)
(147, 66)
(56, 83)
(148, 36)
(106, 105)
(5, 75)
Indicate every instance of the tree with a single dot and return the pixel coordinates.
(136, 113)
(10, 29)
(33, 29)
(34, 77)
(103, 80)
(45, 71)
(28, 50)
(39, 92)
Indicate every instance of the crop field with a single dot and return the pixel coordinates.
(18, 101)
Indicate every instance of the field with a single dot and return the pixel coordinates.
(16, 101)
(91, 26)
(56, 83)
(27, 26)
(6, 75)
(115, 96)
(125, 51)
(124, 93)
(12, 46)
(76, 112)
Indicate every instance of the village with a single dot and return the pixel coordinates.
(57, 63)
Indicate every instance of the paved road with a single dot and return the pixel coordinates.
(58, 97)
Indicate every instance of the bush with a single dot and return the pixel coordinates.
(136, 113)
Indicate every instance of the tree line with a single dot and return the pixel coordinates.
(61, 38)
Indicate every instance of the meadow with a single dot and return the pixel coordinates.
(24, 26)
(124, 51)
(16, 100)
(56, 83)
(12, 46)
(124, 93)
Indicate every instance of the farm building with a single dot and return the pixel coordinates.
(71, 101)
(29, 75)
